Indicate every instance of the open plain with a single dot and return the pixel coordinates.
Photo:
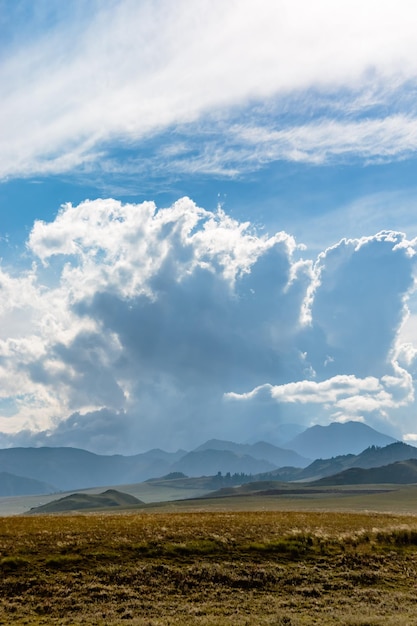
(158, 566)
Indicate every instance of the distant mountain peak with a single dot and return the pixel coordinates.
(337, 438)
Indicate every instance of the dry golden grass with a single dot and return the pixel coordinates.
(240, 568)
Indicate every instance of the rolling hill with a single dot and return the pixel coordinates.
(85, 501)
(401, 472)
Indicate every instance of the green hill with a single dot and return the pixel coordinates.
(85, 501)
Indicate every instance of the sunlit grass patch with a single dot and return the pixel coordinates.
(290, 546)
(63, 560)
(10, 563)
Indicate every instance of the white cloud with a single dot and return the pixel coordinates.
(123, 246)
(410, 437)
(354, 307)
(147, 309)
(340, 398)
(317, 142)
(150, 316)
(134, 69)
(348, 393)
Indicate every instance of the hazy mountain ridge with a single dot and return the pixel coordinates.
(280, 457)
(368, 458)
(210, 462)
(12, 485)
(400, 472)
(337, 439)
(72, 468)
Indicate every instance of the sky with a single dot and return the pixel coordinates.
(208, 220)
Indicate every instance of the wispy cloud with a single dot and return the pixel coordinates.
(387, 138)
(121, 72)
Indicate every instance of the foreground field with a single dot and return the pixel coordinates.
(209, 568)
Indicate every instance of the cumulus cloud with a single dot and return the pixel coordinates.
(152, 312)
(139, 326)
(122, 72)
(346, 396)
(354, 309)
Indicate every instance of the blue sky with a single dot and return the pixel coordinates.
(207, 220)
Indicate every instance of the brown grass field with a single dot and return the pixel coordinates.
(209, 568)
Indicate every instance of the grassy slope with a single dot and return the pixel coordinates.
(88, 501)
(391, 498)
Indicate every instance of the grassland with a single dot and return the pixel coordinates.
(209, 568)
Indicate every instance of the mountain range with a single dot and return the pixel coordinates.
(72, 468)
(261, 450)
(226, 456)
(368, 458)
(400, 472)
(65, 469)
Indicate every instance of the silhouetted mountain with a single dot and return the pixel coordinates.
(210, 462)
(371, 457)
(86, 501)
(322, 442)
(72, 468)
(280, 457)
(375, 456)
(283, 474)
(12, 485)
(401, 472)
(327, 467)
